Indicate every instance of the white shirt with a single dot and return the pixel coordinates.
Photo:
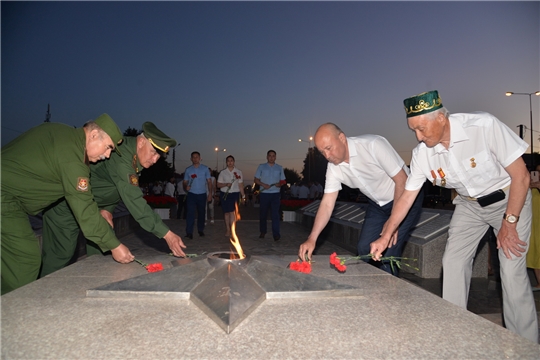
(481, 146)
(373, 163)
(180, 188)
(169, 189)
(235, 177)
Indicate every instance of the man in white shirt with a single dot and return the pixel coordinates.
(368, 163)
(169, 188)
(479, 157)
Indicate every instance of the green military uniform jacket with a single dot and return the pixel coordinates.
(46, 164)
(118, 179)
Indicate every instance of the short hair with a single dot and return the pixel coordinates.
(195, 152)
(269, 151)
(230, 156)
(432, 115)
(91, 125)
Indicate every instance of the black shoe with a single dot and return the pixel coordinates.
(262, 235)
(189, 236)
(201, 233)
(277, 237)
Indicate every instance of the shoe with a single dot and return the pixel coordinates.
(212, 221)
(201, 233)
(262, 235)
(189, 236)
(277, 237)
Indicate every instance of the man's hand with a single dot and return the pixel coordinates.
(307, 247)
(508, 240)
(175, 244)
(377, 247)
(107, 216)
(122, 254)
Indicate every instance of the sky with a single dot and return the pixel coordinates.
(253, 76)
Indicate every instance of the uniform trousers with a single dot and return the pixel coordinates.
(376, 217)
(469, 223)
(21, 255)
(195, 203)
(270, 201)
(60, 234)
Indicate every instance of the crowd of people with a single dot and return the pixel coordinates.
(89, 170)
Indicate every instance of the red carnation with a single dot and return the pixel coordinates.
(154, 267)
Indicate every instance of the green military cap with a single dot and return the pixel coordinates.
(422, 103)
(109, 126)
(159, 140)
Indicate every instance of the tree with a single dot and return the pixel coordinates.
(314, 166)
(291, 175)
(132, 132)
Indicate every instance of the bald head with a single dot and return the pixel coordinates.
(332, 143)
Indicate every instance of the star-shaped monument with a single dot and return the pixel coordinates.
(227, 290)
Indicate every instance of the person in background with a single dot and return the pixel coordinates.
(169, 188)
(113, 181)
(368, 163)
(181, 198)
(270, 177)
(480, 157)
(211, 188)
(294, 191)
(46, 164)
(303, 191)
(231, 184)
(157, 189)
(533, 255)
(196, 182)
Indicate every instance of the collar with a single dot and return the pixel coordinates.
(457, 134)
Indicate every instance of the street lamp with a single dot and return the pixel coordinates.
(309, 155)
(537, 93)
(217, 160)
(173, 159)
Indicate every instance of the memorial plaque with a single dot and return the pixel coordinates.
(431, 228)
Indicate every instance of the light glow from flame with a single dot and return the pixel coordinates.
(235, 241)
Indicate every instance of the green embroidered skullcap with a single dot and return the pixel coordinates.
(108, 125)
(423, 103)
(159, 140)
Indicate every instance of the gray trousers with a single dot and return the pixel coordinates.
(469, 223)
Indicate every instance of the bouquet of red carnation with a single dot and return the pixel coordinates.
(151, 267)
(301, 266)
(236, 177)
(193, 177)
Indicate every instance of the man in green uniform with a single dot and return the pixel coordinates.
(114, 180)
(41, 166)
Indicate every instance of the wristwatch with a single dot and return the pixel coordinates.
(511, 218)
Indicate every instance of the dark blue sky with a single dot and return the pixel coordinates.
(253, 76)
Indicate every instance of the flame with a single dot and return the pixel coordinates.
(234, 240)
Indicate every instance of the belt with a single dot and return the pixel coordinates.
(476, 199)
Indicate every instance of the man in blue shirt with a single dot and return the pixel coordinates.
(196, 177)
(269, 177)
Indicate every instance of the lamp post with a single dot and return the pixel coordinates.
(217, 160)
(537, 93)
(309, 155)
(174, 158)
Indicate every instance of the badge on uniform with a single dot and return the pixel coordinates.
(82, 184)
(134, 179)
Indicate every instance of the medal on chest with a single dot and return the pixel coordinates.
(442, 175)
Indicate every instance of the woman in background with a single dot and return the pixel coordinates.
(230, 182)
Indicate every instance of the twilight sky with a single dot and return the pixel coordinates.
(254, 76)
